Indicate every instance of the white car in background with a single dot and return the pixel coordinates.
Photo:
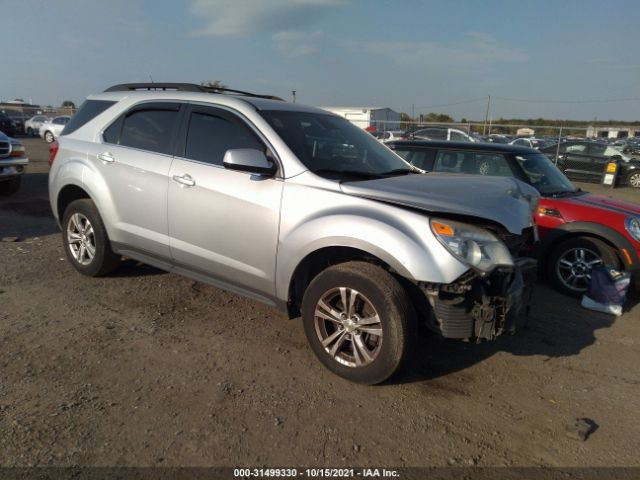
(32, 126)
(51, 130)
(532, 142)
(441, 133)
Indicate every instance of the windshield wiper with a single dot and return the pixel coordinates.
(346, 173)
(400, 171)
(560, 193)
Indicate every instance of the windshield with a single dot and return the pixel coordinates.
(331, 146)
(544, 175)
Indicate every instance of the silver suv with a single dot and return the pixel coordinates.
(297, 208)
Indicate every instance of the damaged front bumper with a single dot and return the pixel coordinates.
(482, 307)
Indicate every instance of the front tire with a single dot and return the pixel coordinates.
(48, 137)
(633, 180)
(570, 263)
(85, 240)
(359, 322)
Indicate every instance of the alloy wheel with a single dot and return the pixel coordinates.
(634, 180)
(574, 267)
(81, 239)
(348, 326)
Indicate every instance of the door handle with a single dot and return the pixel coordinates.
(106, 157)
(185, 180)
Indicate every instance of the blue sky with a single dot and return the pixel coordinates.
(437, 56)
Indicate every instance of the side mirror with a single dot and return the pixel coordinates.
(248, 160)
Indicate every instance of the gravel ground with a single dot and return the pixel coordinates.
(147, 368)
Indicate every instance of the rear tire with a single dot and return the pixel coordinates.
(85, 240)
(9, 187)
(368, 341)
(569, 265)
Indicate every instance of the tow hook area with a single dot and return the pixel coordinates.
(482, 307)
(489, 316)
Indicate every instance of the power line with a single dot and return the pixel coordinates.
(610, 100)
(452, 104)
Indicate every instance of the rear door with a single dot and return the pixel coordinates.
(577, 161)
(600, 155)
(134, 159)
(223, 223)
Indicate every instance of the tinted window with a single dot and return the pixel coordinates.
(331, 146)
(492, 164)
(543, 174)
(59, 121)
(149, 130)
(210, 136)
(112, 133)
(431, 133)
(420, 158)
(597, 149)
(472, 163)
(450, 162)
(87, 112)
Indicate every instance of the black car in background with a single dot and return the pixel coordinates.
(7, 125)
(585, 161)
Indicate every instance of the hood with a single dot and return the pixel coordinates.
(607, 203)
(503, 200)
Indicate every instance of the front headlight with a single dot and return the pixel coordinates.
(476, 247)
(632, 225)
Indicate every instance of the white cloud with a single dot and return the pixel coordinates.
(475, 50)
(238, 18)
(297, 43)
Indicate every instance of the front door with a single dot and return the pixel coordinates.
(222, 223)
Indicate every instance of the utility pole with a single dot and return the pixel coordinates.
(293, 94)
(486, 115)
(558, 147)
(413, 111)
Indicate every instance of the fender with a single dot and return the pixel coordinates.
(79, 173)
(403, 240)
(594, 229)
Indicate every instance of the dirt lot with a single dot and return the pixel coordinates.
(148, 368)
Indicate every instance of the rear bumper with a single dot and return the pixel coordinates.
(483, 308)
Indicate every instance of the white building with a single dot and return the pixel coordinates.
(612, 132)
(369, 118)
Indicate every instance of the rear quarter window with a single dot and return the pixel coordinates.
(89, 110)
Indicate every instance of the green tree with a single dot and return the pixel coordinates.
(68, 104)
(438, 117)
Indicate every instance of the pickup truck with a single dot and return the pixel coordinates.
(13, 163)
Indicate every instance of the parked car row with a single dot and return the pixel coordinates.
(585, 161)
(578, 230)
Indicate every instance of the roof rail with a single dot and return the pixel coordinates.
(184, 87)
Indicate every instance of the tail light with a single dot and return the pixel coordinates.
(53, 150)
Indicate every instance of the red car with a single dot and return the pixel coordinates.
(578, 230)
